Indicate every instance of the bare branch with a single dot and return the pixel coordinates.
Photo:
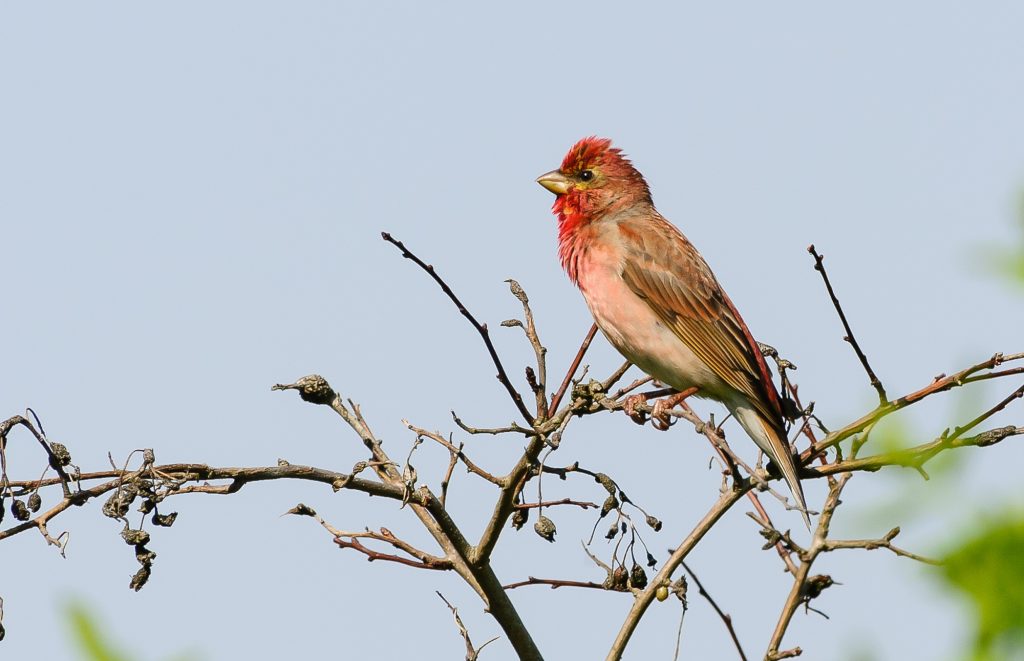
(539, 386)
(556, 583)
(492, 431)
(472, 653)
(575, 365)
(726, 618)
(485, 335)
(884, 542)
(803, 589)
(466, 559)
(456, 451)
(819, 266)
(57, 463)
(371, 555)
(551, 503)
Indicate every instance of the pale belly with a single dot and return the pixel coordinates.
(639, 335)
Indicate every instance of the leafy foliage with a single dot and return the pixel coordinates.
(988, 569)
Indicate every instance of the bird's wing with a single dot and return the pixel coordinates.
(664, 269)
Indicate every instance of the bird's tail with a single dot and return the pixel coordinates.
(771, 438)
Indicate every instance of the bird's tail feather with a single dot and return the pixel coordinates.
(772, 440)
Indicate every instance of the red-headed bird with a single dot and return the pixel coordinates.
(655, 298)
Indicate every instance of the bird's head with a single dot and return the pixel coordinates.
(594, 178)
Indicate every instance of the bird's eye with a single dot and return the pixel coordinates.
(586, 175)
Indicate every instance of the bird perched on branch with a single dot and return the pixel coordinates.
(655, 298)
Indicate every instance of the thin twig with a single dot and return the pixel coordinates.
(457, 451)
(517, 399)
(726, 618)
(371, 555)
(819, 266)
(551, 503)
(884, 542)
(571, 372)
(539, 386)
(556, 583)
(800, 592)
(472, 653)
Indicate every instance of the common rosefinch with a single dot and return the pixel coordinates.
(655, 298)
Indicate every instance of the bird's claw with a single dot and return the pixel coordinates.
(660, 418)
(630, 407)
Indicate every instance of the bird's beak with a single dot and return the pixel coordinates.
(554, 181)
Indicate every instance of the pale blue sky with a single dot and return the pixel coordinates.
(191, 196)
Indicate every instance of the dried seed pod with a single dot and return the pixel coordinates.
(620, 578)
(35, 501)
(651, 562)
(679, 589)
(519, 518)
(302, 509)
(165, 520)
(545, 527)
(119, 502)
(817, 584)
(61, 454)
(144, 555)
(638, 577)
(315, 389)
(517, 291)
(135, 537)
(654, 523)
(20, 510)
(140, 578)
(147, 505)
(612, 532)
(606, 482)
(610, 503)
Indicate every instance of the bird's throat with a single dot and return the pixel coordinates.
(571, 241)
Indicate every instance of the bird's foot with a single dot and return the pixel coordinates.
(660, 416)
(630, 407)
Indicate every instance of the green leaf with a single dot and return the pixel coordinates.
(987, 567)
(91, 644)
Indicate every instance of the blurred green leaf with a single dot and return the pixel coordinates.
(90, 643)
(1006, 261)
(987, 568)
(88, 640)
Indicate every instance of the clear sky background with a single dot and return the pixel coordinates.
(191, 196)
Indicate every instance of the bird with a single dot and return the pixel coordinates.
(655, 298)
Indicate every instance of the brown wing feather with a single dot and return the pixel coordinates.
(667, 271)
